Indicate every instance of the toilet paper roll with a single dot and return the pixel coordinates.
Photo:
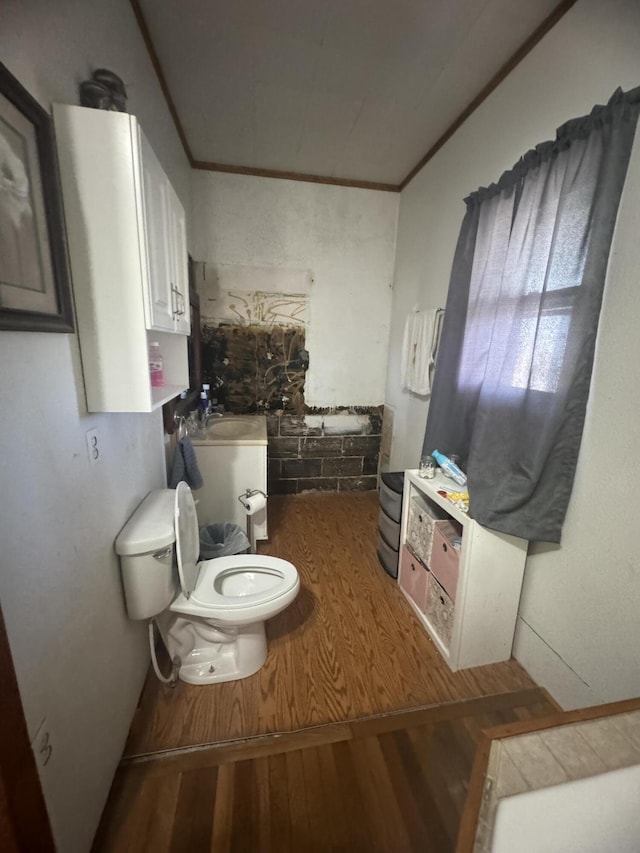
(254, 504)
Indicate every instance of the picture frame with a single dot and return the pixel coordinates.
(35, 294)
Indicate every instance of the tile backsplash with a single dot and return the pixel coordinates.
(261, 369)
(255, 368)
(304, 458)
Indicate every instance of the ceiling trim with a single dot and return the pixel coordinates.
(223, 167)
(537, 35)
(293, 176)
(157, 67)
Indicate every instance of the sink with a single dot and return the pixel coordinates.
(230, 429)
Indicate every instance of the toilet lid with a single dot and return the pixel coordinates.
(187, 538)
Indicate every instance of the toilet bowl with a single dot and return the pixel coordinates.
(211, 614)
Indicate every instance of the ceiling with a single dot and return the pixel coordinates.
(346, 90)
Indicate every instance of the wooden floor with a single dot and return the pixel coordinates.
(354, 736)
(392, 784)
(348, 648)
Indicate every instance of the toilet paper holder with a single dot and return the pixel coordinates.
(248, 505)
(250, 493)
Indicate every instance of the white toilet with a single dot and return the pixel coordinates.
(211, 614)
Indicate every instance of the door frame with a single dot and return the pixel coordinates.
(24, 822)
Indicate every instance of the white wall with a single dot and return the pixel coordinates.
(345, 236)
(579, 630)
(80, 662)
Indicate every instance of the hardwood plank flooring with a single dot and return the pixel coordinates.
(349, 647)
(375, 788)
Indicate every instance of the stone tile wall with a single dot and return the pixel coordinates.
(255, 368)
(303, 459)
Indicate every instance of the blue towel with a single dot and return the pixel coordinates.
(185, 465)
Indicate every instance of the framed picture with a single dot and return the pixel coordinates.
(34, 273)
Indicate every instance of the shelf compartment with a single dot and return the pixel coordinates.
(424, 518)
(413, 578)
(439, 611)
(445, 558)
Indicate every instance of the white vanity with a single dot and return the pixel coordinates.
(232, 457)
(462, 579)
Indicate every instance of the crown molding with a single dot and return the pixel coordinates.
(549, 22)
(157, 67)
(293, 176)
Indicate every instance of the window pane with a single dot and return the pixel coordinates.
(548, 339)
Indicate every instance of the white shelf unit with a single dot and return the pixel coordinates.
(127, 248)
(490, 574)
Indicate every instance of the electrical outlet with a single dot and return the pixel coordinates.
(94, 449)
(42, 745)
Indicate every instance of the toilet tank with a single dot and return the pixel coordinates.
(146, 547)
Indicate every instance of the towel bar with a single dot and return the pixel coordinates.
(183, 430)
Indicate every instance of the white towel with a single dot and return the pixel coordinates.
(418, 351)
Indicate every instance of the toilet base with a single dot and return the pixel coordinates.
(217, 653)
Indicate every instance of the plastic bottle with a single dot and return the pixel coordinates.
(450, 468)
(204, 400)
(156, 365)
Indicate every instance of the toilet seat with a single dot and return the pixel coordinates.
(243, 586)
(275, 576)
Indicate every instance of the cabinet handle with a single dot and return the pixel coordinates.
(177, 311)
(165, 553)
(444, 547)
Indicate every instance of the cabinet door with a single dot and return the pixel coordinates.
(179, 272)
(159, 298)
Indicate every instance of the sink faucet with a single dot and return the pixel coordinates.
(208, 415)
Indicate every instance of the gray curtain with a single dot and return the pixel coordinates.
(512, 379)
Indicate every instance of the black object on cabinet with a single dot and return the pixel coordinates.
(391, 488)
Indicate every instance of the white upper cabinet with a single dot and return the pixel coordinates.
(179, 269)
(165, 227)
(127, 244)
(159, 309)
